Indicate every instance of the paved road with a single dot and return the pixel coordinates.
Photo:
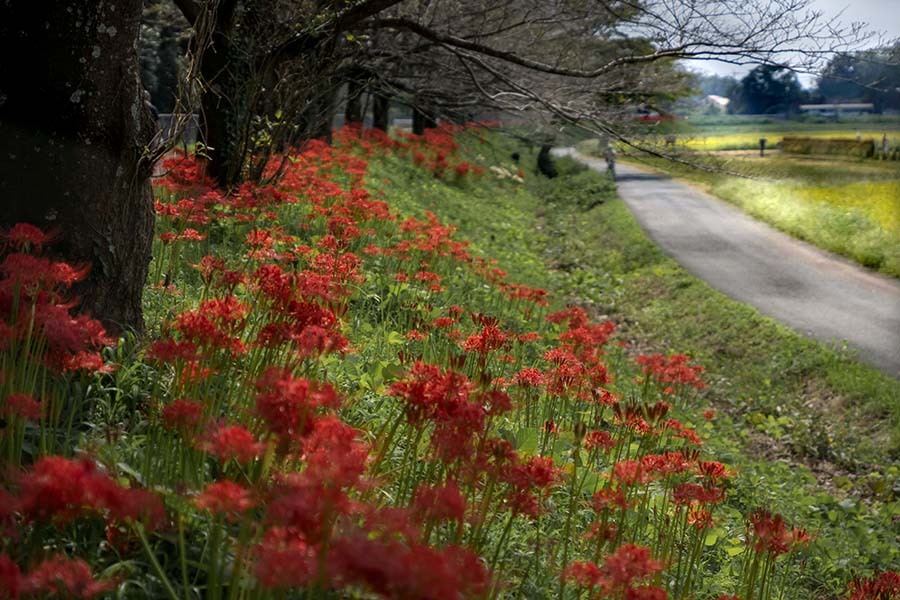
(821, 295)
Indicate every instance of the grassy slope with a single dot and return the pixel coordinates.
(788, 403)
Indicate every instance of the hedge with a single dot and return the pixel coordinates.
(836, 146)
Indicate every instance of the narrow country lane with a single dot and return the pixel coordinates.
(814, 292)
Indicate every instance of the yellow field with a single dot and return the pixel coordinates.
(745, 140)
(860, 220)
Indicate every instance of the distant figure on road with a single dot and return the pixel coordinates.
(610, 156)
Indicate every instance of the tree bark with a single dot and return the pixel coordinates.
(353, 109)
(422, 121)
(323, 114)
(381, 108)
(73, 127)
(219, 127)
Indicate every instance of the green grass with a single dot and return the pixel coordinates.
(814, 433)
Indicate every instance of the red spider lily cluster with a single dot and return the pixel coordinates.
(333, 412)
(671, 372)
(884, 586)
(623, 574)
(41, 339)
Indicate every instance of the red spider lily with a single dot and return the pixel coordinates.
(10, 578)
(628, 565)
(490, 338)
(584, 574)
(334, 453)
(58, 576)
(232, 442)
(61, 489)
(587, 338)
(575, 316)
(226, 497)
(21, 405)
(663, 465)
(70, 340)
(769, 534)
(528, 338)
(443, 398)
(396, 570)
(529, 378)
(91, 362)
(530, 481)
(495, 402)
(462, 169)
(25, 237)
(884, 586)
(171, 350)
(289, 404)
(693, 493)
(713, 470)
(182, 414)
(516, 291)
(604, 397)
(191, 235)
(29, 274)
(430, 393)
(285, 560)
(439, 503)
(183, 171)
(608, 498)
(36, 286)
(216, 324)
(602, 533)
(210, 266)
(671, 370)
(443, 323)
(307, 506)
(629, 473)
(650, 592)
(700, 518)
(599, 439)
(317, 341)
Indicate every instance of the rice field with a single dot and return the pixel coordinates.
(858, 219)
(748, 140)
(847, 206)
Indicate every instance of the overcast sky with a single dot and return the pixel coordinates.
(882, 16)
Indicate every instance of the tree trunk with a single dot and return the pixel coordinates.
(324, 112)
(422, 121)
(353, 110)
(381, 107)
(219, 128)
(73, 126)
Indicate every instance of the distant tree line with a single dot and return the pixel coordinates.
(869, 76)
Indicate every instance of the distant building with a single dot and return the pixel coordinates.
(719, 103)
(846, 109)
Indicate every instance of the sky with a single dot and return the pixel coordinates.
(883, 16)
